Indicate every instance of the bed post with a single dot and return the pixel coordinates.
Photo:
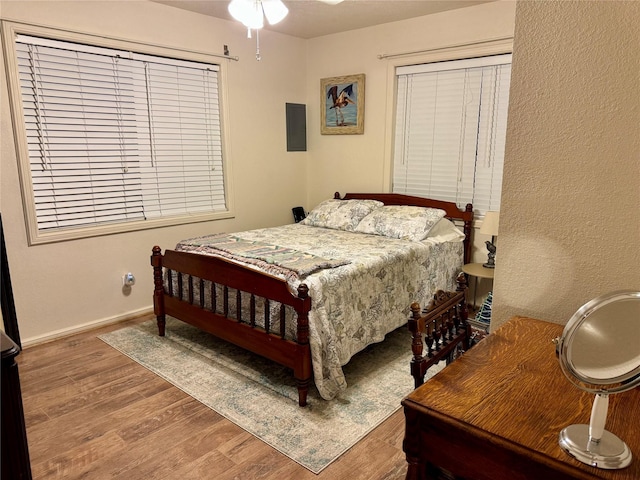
(302, 372)
(418, 361)
(464, 312)
(158, 291)
(467, 233)
(463, 287)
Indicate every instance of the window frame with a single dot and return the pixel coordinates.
(10, 30)
(447, 53)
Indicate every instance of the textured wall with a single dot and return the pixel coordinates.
(570, 214)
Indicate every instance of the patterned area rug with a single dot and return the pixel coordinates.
(260, 396)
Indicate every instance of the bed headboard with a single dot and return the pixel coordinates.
(451, 209)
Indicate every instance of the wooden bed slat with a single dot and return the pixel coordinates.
(282, 321)
(239, 306)
(214, 297)
(267, 315)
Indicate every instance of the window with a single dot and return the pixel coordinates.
(117, 140)
(450, 130)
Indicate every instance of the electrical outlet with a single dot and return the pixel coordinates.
(128, 280)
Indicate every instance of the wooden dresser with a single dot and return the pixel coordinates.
(496, 412)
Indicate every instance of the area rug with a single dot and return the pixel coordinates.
(261, 397)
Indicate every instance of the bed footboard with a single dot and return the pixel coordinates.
(443, 323)
(223, 298)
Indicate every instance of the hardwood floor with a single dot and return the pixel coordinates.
(93, 413)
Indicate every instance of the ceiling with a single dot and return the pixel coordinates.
(312, 18)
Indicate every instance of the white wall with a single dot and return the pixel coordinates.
(73, 285)
(570, 213)
(66, 286)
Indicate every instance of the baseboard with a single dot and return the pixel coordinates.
(65, 332)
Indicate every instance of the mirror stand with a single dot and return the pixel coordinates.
(592, 444)
(599, 353)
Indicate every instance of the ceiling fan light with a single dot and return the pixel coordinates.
(238, 9)
(274, 10)
(248, 12)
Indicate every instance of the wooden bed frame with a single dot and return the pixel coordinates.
(444, 325)
(234, 327)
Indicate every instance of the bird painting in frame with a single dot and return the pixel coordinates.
(340, 100)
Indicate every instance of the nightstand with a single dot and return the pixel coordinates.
(476, 270)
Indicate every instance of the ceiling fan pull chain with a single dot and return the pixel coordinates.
(258, 57)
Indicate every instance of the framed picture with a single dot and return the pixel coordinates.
(342, 105)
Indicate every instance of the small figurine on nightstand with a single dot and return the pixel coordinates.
(491, 256)
(490, 226)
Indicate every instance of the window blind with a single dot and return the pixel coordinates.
(117, 136)
(450, 130)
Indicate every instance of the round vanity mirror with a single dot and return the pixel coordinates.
(599, 352)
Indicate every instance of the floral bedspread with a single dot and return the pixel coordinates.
(357, 304)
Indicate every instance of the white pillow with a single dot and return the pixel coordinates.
(401, 221)
(445, 231)
(340, 214)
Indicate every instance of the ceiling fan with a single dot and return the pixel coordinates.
(251, 14)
